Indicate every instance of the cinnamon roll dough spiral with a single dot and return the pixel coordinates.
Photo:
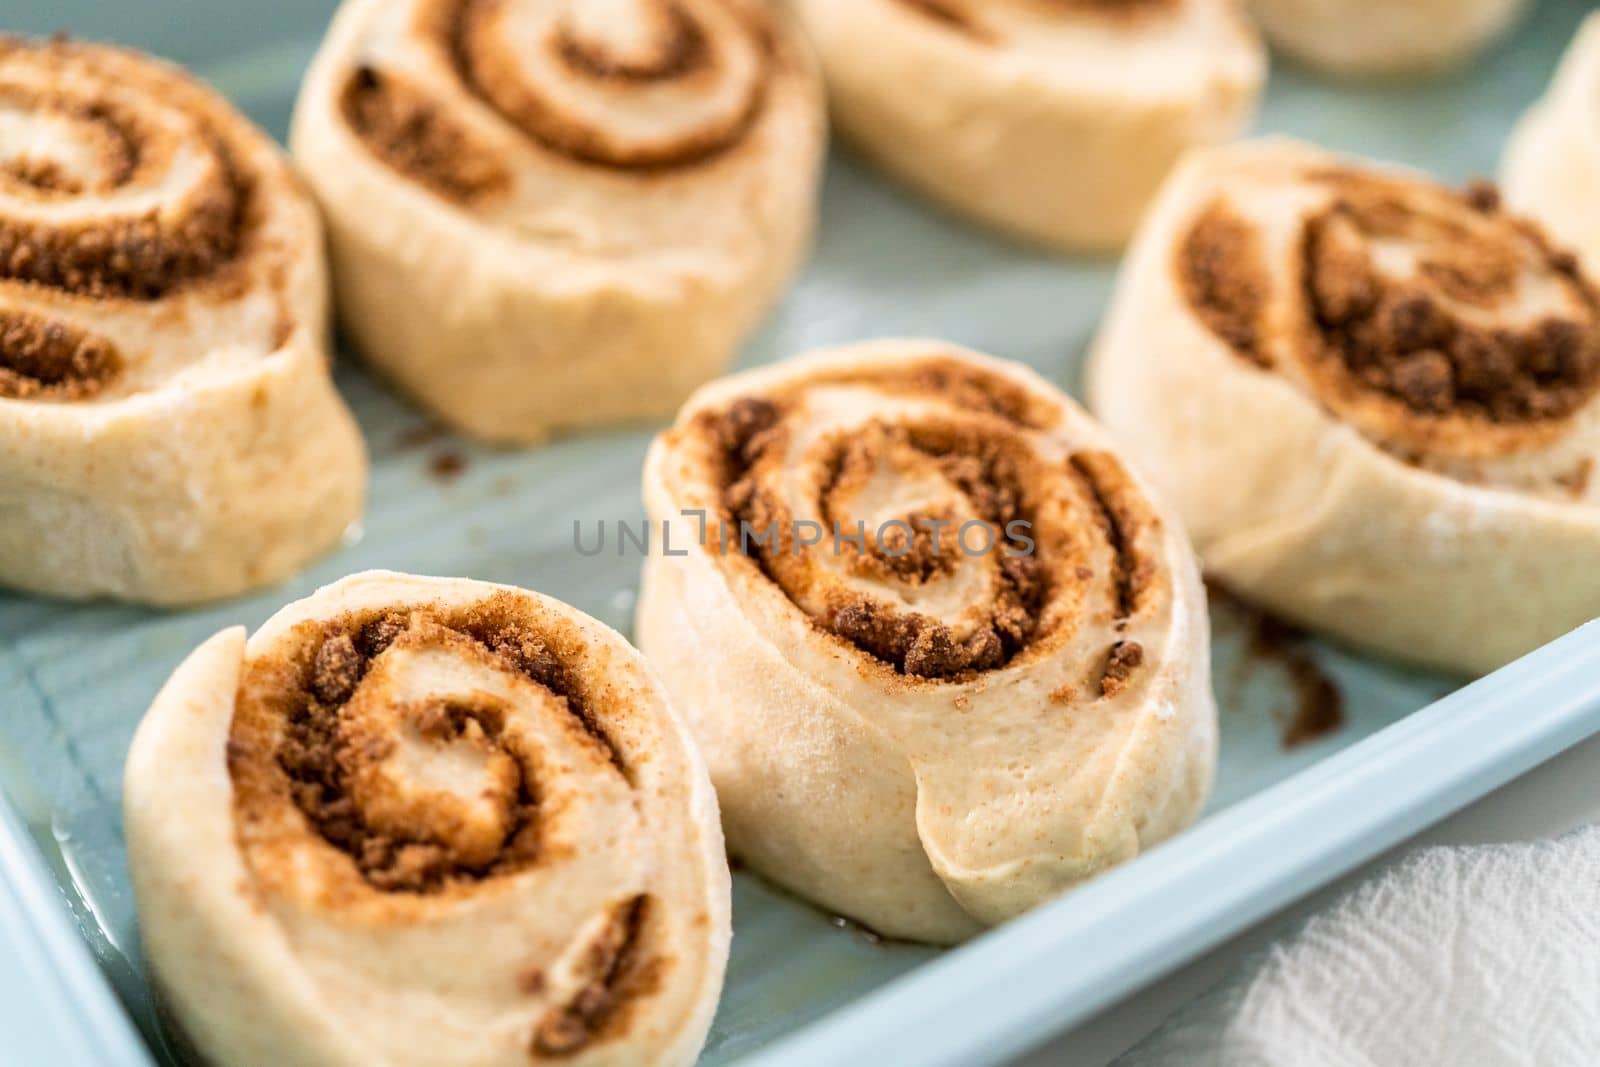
(1053, 120)
(1372, 399)
(550, 213)
(1552, 163)
(929, 736)
(1358, 38)
(427, 821)
(168, 429)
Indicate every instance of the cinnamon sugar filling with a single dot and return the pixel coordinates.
(105, 134)
(44, 175)
(680, 48)
(987, 474)
(45, 360)
(416, 136)
(995, 472)
(908, 553)
(139, 257)
(1120, 512)
(1223, 275)
(405, 129)
(327, 757)
(965, 16)
(1417, 341)
(613, 961)
(1444, 337)
(681, 52)
(314, 738)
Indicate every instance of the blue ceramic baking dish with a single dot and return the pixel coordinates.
(801, 989)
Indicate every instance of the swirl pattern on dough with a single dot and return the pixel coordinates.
(40, 359)
(639, 83)
(600, 198)
(636, 85)
(990, 23)
(120, 186)
(937, 588)
(99, 146)
(1374, 400)
(1434, 321)
(156, 253)
(936, 548)
(480, 772)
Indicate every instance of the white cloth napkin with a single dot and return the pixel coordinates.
(1455, 957)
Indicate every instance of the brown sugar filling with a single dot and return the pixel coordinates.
(1408, 341)
(44, 175)
(45, 360)
(110, 137)
(911, 553)
(324, 759)
(1224, 277)
(311, 730)
(613, 963)
(681, 48)
(1428, 340)
(965, 16)
(492, 71)
(991, 470)
(1122, 661)
(141, 257)
(1119, 510)
(402, 127)
(1120, 513)
(987, 475)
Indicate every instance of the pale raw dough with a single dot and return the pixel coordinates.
(595, 931)
(1458, 534)
(169, 432)
(1360, 38)
(1052, 121)
(574, 218)
(924, 803)
(1552, 164)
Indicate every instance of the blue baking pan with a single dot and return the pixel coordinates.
(802, 989)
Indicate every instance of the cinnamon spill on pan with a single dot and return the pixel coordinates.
(1318, 708)
(1319, 703)
(447, 466)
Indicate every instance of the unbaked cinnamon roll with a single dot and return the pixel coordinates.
(168, 429)
(551, 213)
(1372, 399)
(426, 821)
(1358, 38)
(1054, 120)
(1552, 164)
(944, 654)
